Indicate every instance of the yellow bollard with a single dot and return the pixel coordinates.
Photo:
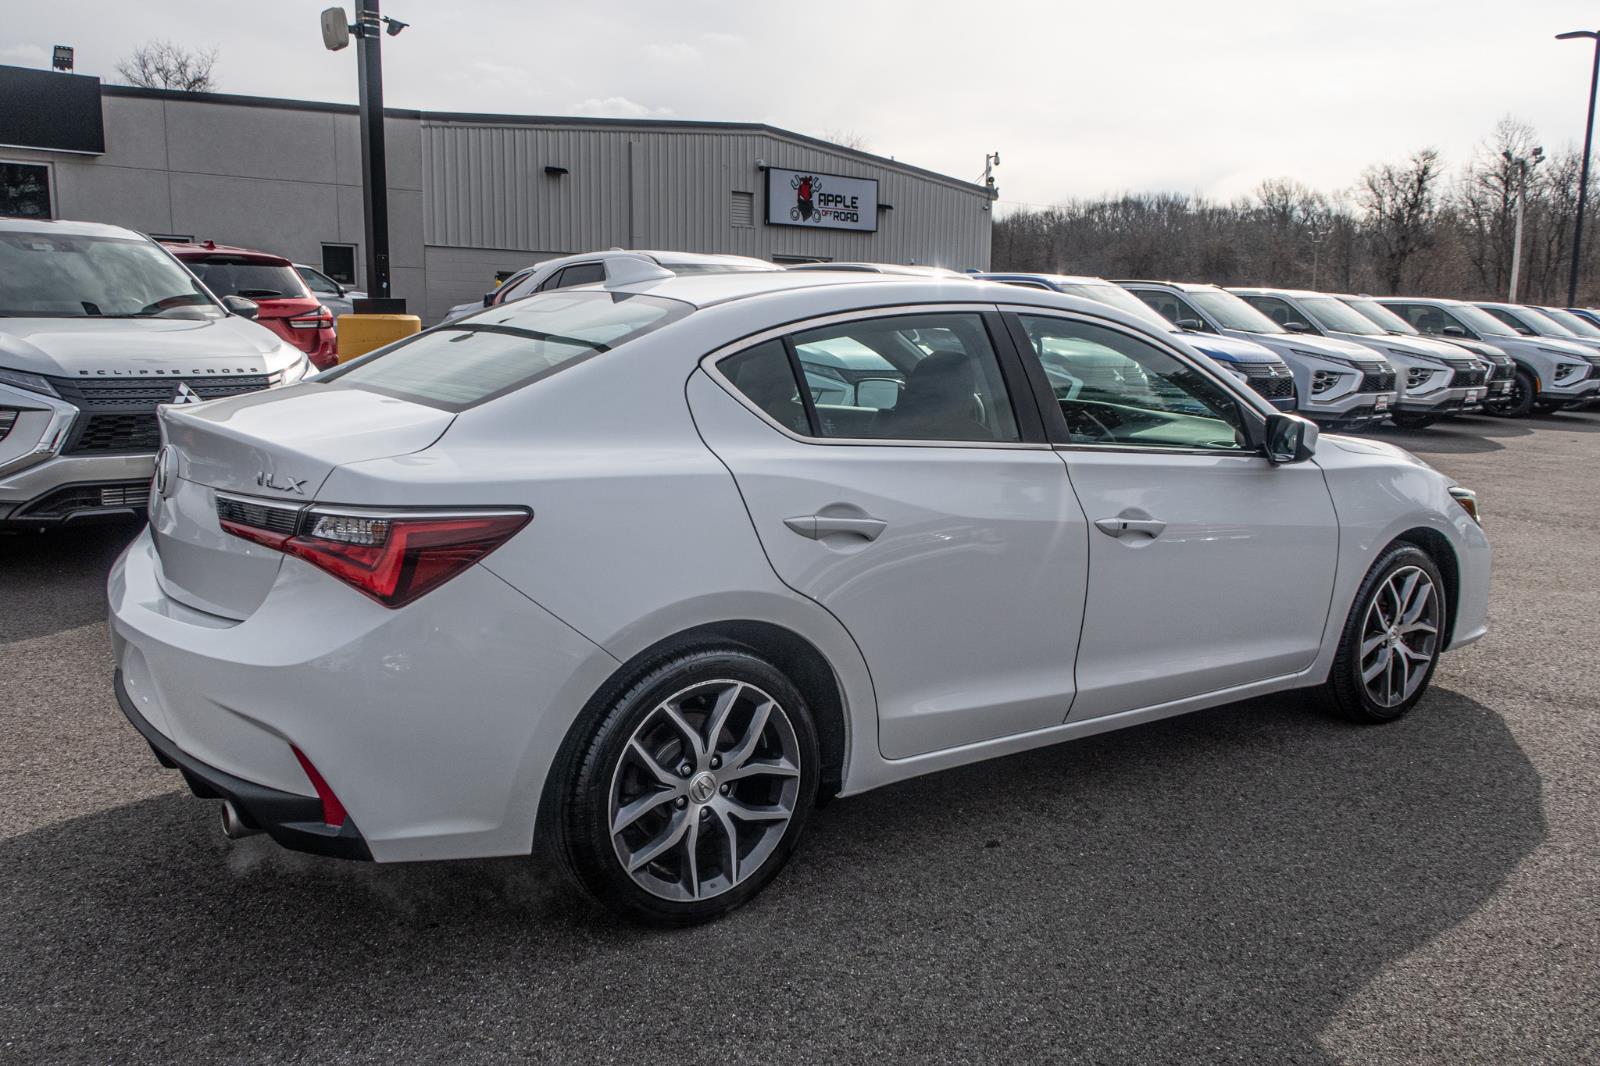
(360, 334)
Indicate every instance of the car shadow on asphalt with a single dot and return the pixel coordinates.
(56, 580)
(1208, 888)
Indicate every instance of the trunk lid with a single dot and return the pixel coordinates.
(277, 448)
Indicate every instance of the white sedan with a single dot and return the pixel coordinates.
(595, 564)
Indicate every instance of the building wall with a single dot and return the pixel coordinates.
(469, 195)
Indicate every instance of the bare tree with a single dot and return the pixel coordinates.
(164, 65)
(846, 139)
(1401, 202)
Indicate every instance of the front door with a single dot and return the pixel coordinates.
(1209, 568)
(902, 492)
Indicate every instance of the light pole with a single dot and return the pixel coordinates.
(1519, 166)
(368, 30)
(1583, 178)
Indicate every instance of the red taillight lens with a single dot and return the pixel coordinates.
(321, 318)
(394, 558)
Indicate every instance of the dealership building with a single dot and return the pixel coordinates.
(471, 197)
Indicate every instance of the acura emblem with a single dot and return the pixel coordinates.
(702, 788)
(166, 472)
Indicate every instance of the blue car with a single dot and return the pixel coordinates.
(1255, 365)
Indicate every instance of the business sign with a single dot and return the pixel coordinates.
(50, 110)
(827, 201)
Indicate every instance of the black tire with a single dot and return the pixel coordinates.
(1345, 692)
(584, 817)
(1412, 421)
(1518, 403)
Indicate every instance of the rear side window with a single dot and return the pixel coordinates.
(258, 281)
(904, 377)
(461, 365)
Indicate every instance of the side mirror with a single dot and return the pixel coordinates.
(1193, 325)
(488, 299)
(1290, 438)
(1454, 331)
(241, 306)
(1297, 327)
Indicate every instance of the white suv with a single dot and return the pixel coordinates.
(596, 564)
(99, 327)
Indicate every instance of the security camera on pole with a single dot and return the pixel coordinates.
(381, 318)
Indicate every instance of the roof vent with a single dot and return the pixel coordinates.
(632, 269)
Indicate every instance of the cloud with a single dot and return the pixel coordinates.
(676, 52)
(619, 107)
(24, 55)
(722, 40)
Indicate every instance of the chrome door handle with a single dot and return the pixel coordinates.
(1123, 527)
(817, 526)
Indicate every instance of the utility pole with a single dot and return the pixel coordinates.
(1519, 167)
(1583, 177)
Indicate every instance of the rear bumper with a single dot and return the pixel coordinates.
(434, 724)
(292, 820)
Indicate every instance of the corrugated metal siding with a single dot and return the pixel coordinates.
(485, 187)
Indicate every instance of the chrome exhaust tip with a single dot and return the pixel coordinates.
(233, 826)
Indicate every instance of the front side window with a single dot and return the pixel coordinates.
(318, 282)
(1117, 390)
(463, 364)
(1233, 313)
(1512, 320)
(1338, 316)
(1277, 310)
(62, 275)
(902, 377)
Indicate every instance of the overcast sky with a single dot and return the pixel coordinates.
(1080, 99)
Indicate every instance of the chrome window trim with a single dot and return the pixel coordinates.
(708, 364)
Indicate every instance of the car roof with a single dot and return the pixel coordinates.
(663, 257)
(705, 290)
(202, 249)
(1058, 279)
(921, 270)
(1262, 290)
(17, 224)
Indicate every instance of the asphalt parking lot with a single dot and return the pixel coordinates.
(1252, 884)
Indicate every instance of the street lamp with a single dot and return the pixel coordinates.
(368, 30)
(1583, 178)
(1519, 166)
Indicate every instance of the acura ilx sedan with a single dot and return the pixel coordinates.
(605, 565)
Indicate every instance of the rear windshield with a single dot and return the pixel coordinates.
(257, 281)
(466, 363)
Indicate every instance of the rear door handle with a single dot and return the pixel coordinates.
(817, 526)
(1124, 527)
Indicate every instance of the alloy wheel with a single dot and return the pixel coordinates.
(704, 790)
(1399, 637)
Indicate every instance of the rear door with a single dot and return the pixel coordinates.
(1209, 568)
(923, 508)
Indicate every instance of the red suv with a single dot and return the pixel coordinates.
(287, 307)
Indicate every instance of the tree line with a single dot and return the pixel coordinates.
(1411, 227)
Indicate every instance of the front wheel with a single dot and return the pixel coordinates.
(1518, 403)
(692, 790)
(1392, 639)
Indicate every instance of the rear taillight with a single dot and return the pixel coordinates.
(321, 318)
(392, 556)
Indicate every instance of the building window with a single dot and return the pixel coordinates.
(25, 190)
(743, 210)
(339, 262)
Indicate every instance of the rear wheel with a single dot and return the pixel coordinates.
(1518, 403)
(1392, 639)
(693, 789)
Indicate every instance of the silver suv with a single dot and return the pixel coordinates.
(99, 326)
(1432, 379)
(1339, 384)
(1551, 372)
